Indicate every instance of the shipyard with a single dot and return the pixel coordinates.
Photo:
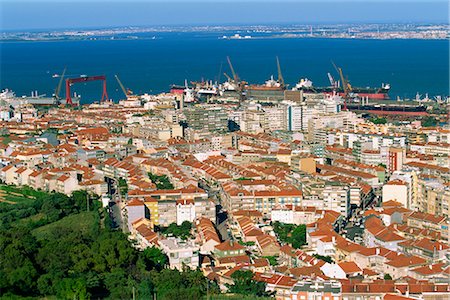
(239, 93)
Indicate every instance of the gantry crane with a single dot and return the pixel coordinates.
(84, 78)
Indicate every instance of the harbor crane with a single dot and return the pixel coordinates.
(280, 75)
(238, 83)
(345, 84)
(58, 87)
(333, 82)
(84, 78)
(127, 92)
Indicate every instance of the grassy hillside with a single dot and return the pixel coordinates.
(81, 222)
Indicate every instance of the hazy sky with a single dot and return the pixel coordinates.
(53, 14)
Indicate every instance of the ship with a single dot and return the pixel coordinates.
(269, 85)
(381, 93)
(35, 99)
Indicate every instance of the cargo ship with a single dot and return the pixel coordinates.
(271, 90)
(381, 93)
(35, 99)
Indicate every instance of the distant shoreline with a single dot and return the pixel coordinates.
(326, 31)
(220, 38)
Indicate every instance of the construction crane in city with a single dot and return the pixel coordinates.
(280, 75)
(345, 84)
(58, 87)
(126, 91)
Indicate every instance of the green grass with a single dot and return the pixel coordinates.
(30, 219)
(78, 222)
(23, 190)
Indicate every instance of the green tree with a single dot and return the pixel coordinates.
(429, 122)
(154, 258)
(183, 231)
(123, 186)
(82, 200)
(387, 277)
(291, 234)
(327, 259)
(299, 236)
(378, 120)
(162, 182)
(245, 285)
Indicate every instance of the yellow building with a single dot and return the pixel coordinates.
(303, 163)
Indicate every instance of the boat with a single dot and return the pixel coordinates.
(269, 85)
(381, 93)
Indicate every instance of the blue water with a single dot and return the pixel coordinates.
(146, 65)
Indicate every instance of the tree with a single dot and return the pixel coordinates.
(272, 260)
(429, 122)
(327, 259)
(123, 186)
(378, 120)
(245, 285)
(387, 277)
(292, 234)
(299, 236)
(162, 182)
(82, 200)
(154, 258)
(183, 231)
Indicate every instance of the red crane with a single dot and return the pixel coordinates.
(71, 81)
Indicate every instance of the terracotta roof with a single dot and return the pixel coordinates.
(229, 246)
(135, 202)
(349, 267)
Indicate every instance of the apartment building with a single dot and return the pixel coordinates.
(180, 253)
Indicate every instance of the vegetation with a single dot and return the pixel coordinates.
(162, 182)
(387, 277)
(272, 260)
(243, 178)
(378, 120)
(123, 186)
(328, 259)
(71, 253)
(183, 231)
(291, 234)
(429, 122)
(250, 243)
(245, 285)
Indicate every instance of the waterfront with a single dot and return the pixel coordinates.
(410, 66)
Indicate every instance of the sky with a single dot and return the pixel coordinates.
(58, 14)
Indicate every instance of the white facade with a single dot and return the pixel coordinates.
(337, 198)
(180, 253)
(282, 215)
(185, 212)
(396, 192)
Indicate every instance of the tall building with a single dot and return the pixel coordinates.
(396, 158)
(211, 118)
(336, 197)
